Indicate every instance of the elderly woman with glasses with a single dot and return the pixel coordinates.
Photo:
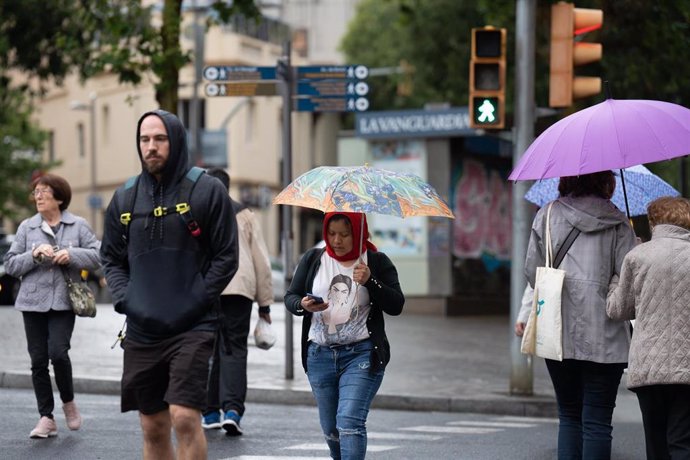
(52, 244)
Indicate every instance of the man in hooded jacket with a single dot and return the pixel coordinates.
(167, 280)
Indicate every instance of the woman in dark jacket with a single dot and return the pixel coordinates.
(52, 241)
(363, 283)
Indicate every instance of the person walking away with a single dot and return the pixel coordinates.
(345, 355)
(227, 386)
(653, 290)
(595, 348)
(169, 248)
(52, 238)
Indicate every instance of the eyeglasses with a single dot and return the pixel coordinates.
(41, 191)
(157, 140)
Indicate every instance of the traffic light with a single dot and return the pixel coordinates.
(567, 23)
(488, 78)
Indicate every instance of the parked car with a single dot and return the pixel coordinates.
(9, 285)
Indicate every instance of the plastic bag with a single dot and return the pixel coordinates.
(264, 337)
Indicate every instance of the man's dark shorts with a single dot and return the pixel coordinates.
(173, 371)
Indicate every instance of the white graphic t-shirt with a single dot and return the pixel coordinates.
(345, 319)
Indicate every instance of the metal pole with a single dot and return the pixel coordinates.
(683, 177)
(287, 237)
(195, 108)
(92, 200)
(521, 375)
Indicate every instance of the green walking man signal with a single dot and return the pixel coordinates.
(486, 111)
(487, 78)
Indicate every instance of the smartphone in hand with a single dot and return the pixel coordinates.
(315, 298)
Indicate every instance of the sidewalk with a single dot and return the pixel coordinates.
(459, 364)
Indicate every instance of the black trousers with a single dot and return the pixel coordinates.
(666, 419)
(48, 336)
(227, 384)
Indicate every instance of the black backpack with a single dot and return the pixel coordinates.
(183, 208)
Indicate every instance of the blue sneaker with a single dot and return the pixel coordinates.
(231, 423)
(211, 420)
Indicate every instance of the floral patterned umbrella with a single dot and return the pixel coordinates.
(364, 189)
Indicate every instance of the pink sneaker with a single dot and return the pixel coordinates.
(45, 428)
(72, 415)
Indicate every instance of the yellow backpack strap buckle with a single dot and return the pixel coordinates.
(181, 208)
(159, 211)
(125, 218)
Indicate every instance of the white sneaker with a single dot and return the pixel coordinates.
(45, 428)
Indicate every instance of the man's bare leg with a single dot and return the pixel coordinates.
(157, 436)
(191, 440)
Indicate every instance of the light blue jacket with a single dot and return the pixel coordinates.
(43, 285)
(590, 265)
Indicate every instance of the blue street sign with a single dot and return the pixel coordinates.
(333, 72)
(95, 201)
(332, 88)
(332, 104)
(238, 72)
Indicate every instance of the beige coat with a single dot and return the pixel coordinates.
(654, 289)
(253, 277)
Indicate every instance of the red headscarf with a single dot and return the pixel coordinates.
(357, 219)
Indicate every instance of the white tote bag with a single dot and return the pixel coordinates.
(546, 307)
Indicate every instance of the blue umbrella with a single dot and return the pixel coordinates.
(642, 187)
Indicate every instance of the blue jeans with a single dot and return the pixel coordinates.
(344, 388)
(586, 394)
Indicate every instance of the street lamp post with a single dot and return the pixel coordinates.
(93, 201)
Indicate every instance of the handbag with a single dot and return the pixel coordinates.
(264, 337)
(543, 334)
(80, 296)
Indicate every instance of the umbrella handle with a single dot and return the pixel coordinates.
(625, 197)
(361, 238)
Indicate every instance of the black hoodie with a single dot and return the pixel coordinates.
(165, 280)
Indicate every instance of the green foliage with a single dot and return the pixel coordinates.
(20, 142)
(433, 36)
(48, 40)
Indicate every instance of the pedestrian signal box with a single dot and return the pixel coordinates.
(487, 78)
(568, 51)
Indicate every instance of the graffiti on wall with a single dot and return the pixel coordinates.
(482, 208)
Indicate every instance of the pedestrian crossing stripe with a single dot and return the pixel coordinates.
(404, 436)
(272, 457)
(452, 429)
(515, 418)
(323, 446)
(494, 424)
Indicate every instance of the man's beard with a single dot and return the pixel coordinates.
(155, 168)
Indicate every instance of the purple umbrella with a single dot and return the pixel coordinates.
(613, 134)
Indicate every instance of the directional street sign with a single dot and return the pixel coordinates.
(235, 73)
(332, 104)
(243, 88)
(348, 72)
(332, 88)
(316, 88)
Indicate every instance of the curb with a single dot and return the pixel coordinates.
(496, 404)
